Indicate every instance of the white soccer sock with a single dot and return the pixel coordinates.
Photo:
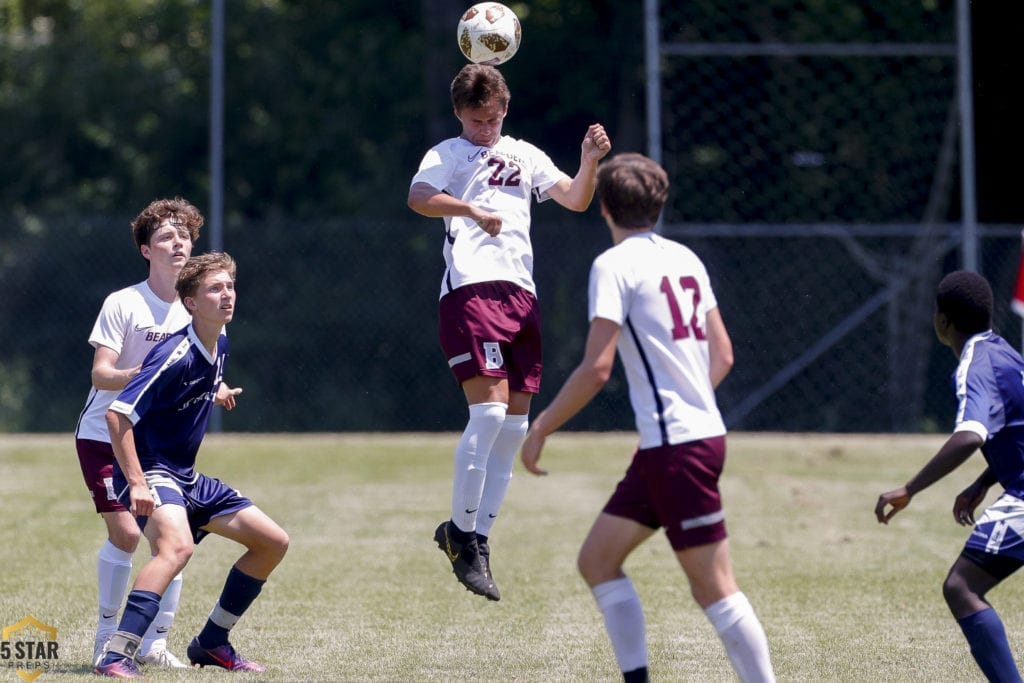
(485, 420)
(624, 620)
(113, 569)
(157, 631)
(499, 470)
(743, 637)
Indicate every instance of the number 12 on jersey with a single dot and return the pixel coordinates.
(688, 288)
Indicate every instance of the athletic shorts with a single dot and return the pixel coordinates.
(675, 487)
(996, 543)
(203, 500)
(96, 459)
(492, 329)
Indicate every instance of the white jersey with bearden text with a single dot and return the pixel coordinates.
(131, 321)
(499, 180)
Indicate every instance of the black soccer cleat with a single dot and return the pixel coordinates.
(467, 563)
(484, 550)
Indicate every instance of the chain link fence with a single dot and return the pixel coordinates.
(815, 167)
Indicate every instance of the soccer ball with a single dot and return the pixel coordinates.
(489, 33)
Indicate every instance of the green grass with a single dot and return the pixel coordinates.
(364, 595)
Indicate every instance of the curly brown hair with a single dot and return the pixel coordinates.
(181, 213)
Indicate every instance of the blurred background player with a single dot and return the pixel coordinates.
(652, 298)
(157, 424)
(130, 323)
(989, 416)
(480, 183)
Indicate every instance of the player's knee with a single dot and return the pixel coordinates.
(956, 593)
(594, 569)
(177, 553)
(273, 544)
(125, 537)
(281, 542)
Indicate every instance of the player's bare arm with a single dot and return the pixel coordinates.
(719, 347)
(953, 453)
(577, 193)
(105, 374)
(428, 201)
(583, 384)
(122, 441)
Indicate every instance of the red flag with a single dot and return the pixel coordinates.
(1018, 293)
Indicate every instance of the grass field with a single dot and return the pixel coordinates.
(364, 595)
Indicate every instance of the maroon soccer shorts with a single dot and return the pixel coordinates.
(492, 329)
(675, 487)
(97, 461)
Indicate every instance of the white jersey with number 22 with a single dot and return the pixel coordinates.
(499, 180)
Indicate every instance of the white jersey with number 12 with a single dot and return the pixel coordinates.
(659, 293)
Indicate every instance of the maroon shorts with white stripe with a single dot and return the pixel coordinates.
(97, 461)
(675, 487)
(492, 329)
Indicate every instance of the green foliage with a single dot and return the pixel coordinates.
(327, 104)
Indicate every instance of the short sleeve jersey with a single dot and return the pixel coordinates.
(659, 293)
(499, 180)
(170, 400)
(131, 322)
(989, 384)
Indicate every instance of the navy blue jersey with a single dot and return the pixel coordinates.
(989, 383)
(170, 400)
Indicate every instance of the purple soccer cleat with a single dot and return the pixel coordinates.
(223, 656)
(124, 667)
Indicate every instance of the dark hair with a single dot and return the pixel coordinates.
(180, 212)
(476, 85)
(633, 189)
(197, 267)
(966, 300)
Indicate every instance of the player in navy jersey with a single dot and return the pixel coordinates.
(989, 386)
(130, 323)
(481, 184)
(651, 300)
(156, 426)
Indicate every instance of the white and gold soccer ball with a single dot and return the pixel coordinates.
(489, 33)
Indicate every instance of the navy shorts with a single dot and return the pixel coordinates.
(492, 329)
(996, 543)
(203, 500)
(675, 487)
(96, 459)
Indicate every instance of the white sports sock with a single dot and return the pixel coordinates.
(624, 620)
(499, 470)
(743, 637)
(485, 420)
(113, 569)
(157, 631)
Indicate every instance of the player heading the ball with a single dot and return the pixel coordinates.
(481, 184)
